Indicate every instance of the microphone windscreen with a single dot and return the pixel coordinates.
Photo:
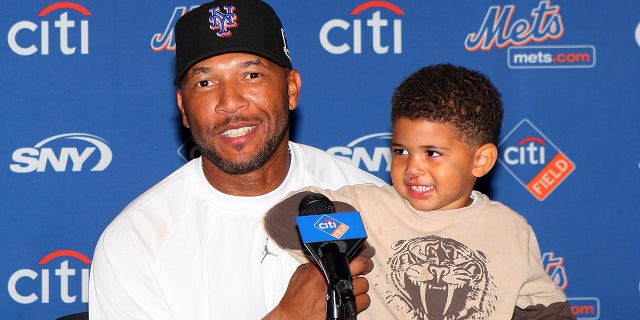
(315, 203)
(280, 223)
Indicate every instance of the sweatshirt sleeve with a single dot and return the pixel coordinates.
(554, 311)
(539, 288)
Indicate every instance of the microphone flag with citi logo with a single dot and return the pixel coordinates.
(332, 239)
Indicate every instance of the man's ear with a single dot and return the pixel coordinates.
(185, 121)
(485, 158)
(294, 83)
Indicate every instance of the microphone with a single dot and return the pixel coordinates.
(332, 239)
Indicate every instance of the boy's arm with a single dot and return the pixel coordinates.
(540, 297)
(554, 311)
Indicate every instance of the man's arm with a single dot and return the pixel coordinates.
(121, 284)
(305, 297)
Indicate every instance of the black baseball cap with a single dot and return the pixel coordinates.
(224, 26)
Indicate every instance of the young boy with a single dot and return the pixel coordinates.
(443, 250)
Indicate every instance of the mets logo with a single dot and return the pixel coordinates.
(222, 22)
(533, 160)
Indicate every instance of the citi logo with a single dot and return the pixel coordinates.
(498, 29)
(530, 150)
(533, 160)
(28, 37)
(339, 36)
(371, 153)
(64, 152)
(331, 226)
(56, 270)
(165, 40)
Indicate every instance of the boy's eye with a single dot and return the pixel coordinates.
(432, 153)
(399, 151)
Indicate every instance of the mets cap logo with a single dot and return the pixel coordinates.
(222, 22)
(533, 160)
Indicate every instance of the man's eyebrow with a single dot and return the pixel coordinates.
(243, 64)
(250, 63)
(199, 70)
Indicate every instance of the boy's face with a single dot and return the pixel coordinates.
(431, 168)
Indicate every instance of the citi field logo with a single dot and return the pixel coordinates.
(331, 226)
(64, 152)
(499, 30)
(165, 40)
(382, 32)
(61, 276)
(533, 160)
(371, 153)
(31, 37)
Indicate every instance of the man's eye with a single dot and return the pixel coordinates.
(203, 83)
(399, 151)
(253, 75)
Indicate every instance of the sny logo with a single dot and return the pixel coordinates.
(331, 226)
(36, 158)
(222, 22)
(371, 153)
(533, 160)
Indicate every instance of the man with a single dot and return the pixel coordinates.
(193, 246)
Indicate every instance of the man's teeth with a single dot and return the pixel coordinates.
(421, 188)
(237, 132)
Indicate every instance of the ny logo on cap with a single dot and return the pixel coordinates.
(222, 22)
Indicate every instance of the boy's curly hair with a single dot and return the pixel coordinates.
(453, 95)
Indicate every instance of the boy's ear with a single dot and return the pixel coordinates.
(484, 159)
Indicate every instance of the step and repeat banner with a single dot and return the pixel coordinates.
(90, 121)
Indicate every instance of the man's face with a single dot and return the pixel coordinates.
(431, 167)
(237, 107)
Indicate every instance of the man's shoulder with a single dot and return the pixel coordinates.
(329, 168)
(158, 206)
(170, 185)
(309, 150)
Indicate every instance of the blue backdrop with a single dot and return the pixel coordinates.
(90, 122)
